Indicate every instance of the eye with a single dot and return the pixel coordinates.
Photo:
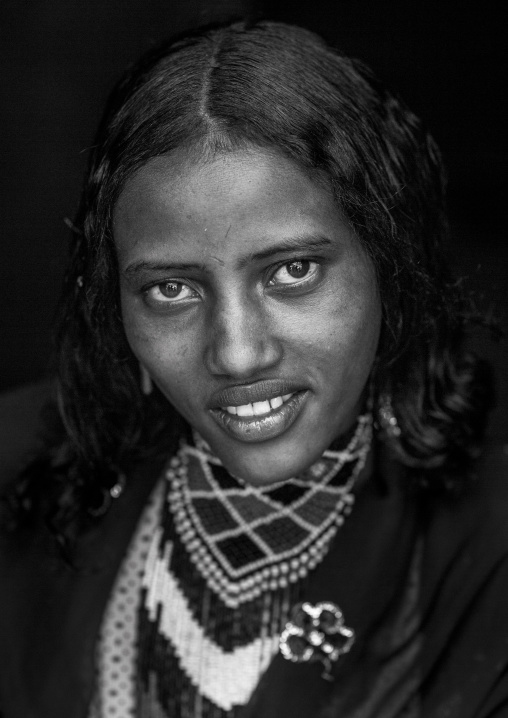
(294, 272)
(169, 293)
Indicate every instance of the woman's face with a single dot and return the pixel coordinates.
(250, 303)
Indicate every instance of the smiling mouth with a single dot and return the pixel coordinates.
(260, 420)
(258, 408)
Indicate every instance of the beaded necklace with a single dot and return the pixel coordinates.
(225, 568)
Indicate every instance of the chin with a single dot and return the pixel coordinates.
(285, 456)
(262, 465)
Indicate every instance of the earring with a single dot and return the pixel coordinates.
(146, 381)
(386, 417)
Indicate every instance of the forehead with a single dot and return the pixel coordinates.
(236, 177)
(231, 202)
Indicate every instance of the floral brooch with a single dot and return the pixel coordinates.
(316, 633)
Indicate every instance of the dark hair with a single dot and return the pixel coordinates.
(282, 88)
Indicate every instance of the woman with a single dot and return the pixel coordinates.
(260, 472)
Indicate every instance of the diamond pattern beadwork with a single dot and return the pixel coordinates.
(245, 540)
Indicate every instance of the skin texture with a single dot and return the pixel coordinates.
(233, 319)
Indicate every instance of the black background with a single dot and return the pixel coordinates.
(59, 58)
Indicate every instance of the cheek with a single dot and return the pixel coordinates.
(148, 343)
(140, 340)
(348, 361)
(342, 332)
(348, 356)
(168, 356)
(363, 335)
(363, 315)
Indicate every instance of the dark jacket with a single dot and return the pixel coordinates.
(50, 615)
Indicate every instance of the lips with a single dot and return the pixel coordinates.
(258, 408)
(260, 411)
(251, 393)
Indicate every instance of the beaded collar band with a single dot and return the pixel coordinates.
(245, 540)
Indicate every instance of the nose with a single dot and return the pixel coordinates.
(241, 341)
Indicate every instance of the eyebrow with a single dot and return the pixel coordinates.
(287, 245)
(290, 244)
(137, 268)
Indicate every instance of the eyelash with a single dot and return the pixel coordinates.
(307, 279)
(149, 291)
(314, 267)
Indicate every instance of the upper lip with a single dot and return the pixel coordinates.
(249, 393)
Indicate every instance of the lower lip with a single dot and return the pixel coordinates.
(261, 428)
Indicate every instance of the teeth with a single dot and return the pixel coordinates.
(245, 410)
(258, 408)
(275, 403)
(261, 407)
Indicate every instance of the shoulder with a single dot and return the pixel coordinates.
(492, 470)
(480, 512)
(483, 509)
(21, 425)
(464, 594)
(466, 536)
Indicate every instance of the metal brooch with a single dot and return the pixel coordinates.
(316, 633)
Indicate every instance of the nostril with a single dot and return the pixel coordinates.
(241, 348)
